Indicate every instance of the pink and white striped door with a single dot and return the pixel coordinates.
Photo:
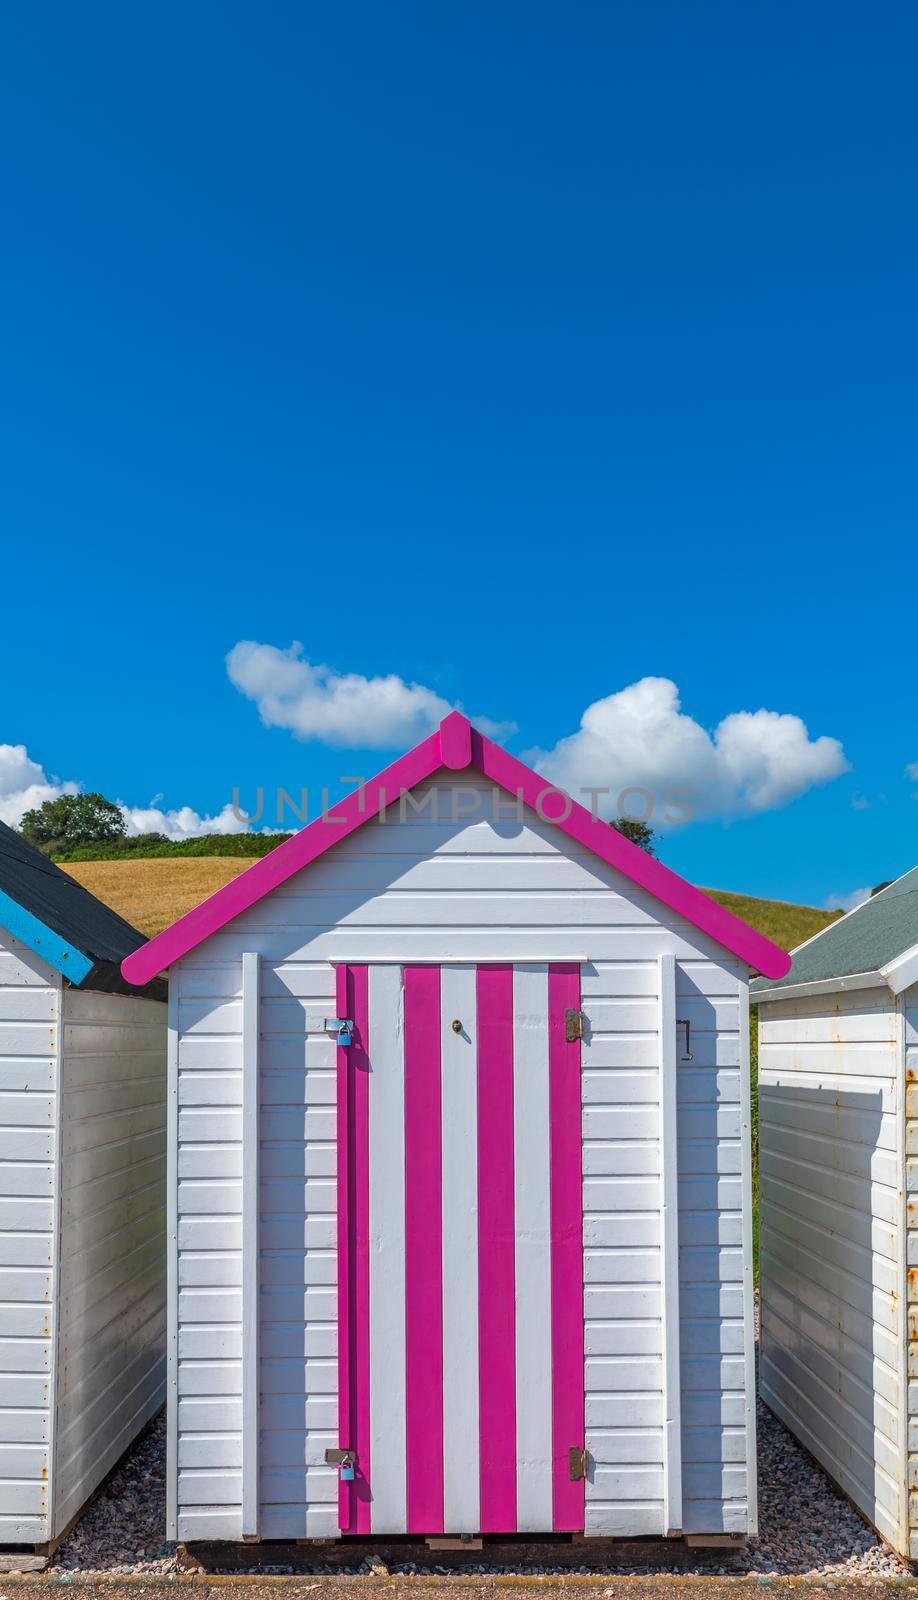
(460, 1253)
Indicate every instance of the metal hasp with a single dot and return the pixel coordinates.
(573, 1024)
(345, 1459)
(686, 1024)
(342, 1026)
(576, 1464)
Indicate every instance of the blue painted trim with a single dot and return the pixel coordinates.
(66, 958)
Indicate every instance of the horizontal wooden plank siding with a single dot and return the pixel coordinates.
(111, 1374)
(30, 999)
(831, 1238)
(475, 889)
(908, 1003)
(716, 1473)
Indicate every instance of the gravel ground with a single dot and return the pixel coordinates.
(807, 1527)
(603, 1586)
(121, 1530)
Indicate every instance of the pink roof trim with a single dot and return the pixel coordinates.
(455, 745)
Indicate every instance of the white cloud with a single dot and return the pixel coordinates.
(911, 771)
(185, 823)
(847, 902)
(640, 738)
(24, 784)
(340, 708)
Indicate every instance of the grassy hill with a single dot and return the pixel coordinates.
(785, 924)
(152, 892)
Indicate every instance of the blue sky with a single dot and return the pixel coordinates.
(520, 352)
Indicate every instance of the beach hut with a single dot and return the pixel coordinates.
(82, 1196)
(459, 1185)
(838, 1143)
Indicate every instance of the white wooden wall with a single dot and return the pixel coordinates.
(832, 1239)
(908, 1004)
(473, 890)
(82, 1246)
(30, 993)
(112, 1276)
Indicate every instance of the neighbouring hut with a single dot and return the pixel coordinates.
(82, 1195)
(838, 1143)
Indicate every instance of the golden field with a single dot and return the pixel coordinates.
(151, 894)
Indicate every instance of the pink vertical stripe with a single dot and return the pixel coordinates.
(344, 1256)
(567, 1361)
(354, 1251)
(423, 1253)
(496, 1252)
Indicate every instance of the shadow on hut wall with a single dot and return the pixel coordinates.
(829, 1279)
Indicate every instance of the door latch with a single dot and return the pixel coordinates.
(573, 1024)
(345, 1459)
(577, 1461)
(343, 1027)
(685, 1023)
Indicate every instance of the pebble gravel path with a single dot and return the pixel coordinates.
(122, 1529)
(806, 1526)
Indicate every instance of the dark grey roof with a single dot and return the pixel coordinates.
(63, 905)
(883, 928)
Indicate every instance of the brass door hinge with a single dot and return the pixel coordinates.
(576, 1463)
(573, 1024)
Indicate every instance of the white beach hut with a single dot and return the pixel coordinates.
(838, 1142)
(82, 1196)
(459, 1185)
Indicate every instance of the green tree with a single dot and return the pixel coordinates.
(72, 820)
(639, 833)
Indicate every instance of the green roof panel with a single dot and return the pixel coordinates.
(883, 928)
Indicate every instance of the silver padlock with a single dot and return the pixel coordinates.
(345, 1034)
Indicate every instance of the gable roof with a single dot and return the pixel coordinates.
(868, 941)
(455, 745)
(53, 915)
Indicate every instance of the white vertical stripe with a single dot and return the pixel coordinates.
(533, 1249)
(459, 1089)
(250, 1242)
(385, 1004)
(669, 1209)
